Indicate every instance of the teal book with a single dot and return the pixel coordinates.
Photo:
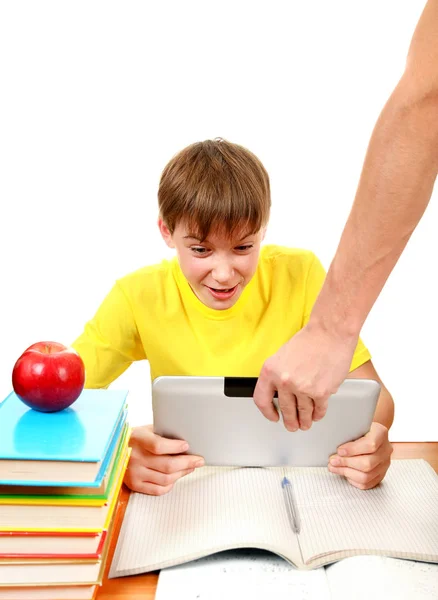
(71, 447)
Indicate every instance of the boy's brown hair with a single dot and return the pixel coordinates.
(215, 184)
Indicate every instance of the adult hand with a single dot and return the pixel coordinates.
(365, 461)
(305, 371)
(156, 462)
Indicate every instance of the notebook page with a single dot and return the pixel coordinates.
(241, 574)
(382, 578)
(212, 509)
(398, 518)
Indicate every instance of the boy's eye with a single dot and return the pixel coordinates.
(200, 250)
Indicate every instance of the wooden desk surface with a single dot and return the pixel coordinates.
(142, 587)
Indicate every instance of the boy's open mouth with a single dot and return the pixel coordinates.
(223, 293)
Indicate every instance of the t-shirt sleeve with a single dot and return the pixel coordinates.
(315, 279)
(110, 342)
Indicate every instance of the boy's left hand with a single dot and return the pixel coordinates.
(366, 460)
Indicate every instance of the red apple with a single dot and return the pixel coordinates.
(48, 376)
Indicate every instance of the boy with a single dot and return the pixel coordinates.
(221, 308)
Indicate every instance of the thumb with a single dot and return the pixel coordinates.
(156, 444)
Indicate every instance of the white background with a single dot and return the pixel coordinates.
(97, 97)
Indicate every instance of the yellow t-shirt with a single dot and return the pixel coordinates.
(153, 314)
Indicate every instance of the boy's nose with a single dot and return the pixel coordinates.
(223, 273)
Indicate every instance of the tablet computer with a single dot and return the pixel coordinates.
(219, 420)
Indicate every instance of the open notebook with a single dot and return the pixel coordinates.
(221, 508)
(256, 574)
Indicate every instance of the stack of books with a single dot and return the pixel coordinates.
(60, 479)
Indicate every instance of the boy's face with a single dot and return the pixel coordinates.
(217, 269)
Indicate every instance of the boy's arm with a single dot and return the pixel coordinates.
(395, 187)
(384, 412)
(110, 342)
(364, 462)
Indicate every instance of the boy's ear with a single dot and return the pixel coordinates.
(264, 232)
(165, 233)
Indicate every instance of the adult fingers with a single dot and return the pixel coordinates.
(320, 406)
(305, 408)
(287, 403)
(263, 395)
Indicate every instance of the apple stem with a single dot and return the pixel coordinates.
(47, 348)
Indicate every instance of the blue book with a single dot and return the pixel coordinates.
(71, 447)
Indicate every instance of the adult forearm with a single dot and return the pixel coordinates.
(395, 187)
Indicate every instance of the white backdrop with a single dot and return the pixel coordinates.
(96, 98)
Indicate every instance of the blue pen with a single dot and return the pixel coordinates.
(290, 505)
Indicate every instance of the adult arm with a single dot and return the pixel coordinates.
(394, 190)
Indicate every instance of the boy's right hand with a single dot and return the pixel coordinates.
(156, 462)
